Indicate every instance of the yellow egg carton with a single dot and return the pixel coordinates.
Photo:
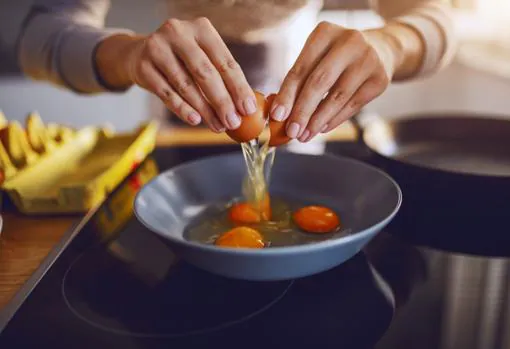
(50, 169)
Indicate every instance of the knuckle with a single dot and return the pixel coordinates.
(172, 25)
(182, 86)
(202, 22)
(228, 65)
(354, 36)
(381, 81)
(142, 69)
(182, 109)
(176, 105)
(322, 31)
(371, 55)
(321, 79)
(297, 72)
(376, 85)
(203, 70)
(152, 44)
(325, 26)
(222, 102)
(357, 102)
(164, 94)
(173, 72)
(338, 96)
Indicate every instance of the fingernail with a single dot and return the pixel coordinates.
(324, 128)
(233, 120)
(250, 106)
(304, 136)
(194, 118)
(278, 113)
(293, 130)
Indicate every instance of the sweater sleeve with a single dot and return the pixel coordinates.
(58, 40)
(432, 20)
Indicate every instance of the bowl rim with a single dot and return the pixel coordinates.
(296, 249)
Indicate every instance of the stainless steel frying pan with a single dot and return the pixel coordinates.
(454, 171)
(365, 198)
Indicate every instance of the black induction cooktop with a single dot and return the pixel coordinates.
(113, 284)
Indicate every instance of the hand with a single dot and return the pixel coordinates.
(188, 66)
(338, 71)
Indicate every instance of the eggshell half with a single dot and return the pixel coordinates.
(278, 134)
(251, 125)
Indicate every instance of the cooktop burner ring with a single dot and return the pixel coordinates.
(146, 334)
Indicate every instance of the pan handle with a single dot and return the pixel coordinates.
(361, 122)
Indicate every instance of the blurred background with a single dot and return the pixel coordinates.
(478, 80)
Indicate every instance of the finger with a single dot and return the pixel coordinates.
(341, 92)
(366, 93)
(151, 79)
(180, 80)
(203, 72)
(210, 82)
(345, 51)
(233, 77)
(316, 46)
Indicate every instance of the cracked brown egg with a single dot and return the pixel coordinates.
(278, 133)
(251, 125)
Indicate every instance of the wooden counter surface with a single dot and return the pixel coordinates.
(202, 136)
(25, 241)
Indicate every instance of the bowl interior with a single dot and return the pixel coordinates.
(362, 195)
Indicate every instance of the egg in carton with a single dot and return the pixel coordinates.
(15, 141)
(38, 135)
(21, 147)
(60, 134)
(3, 120)
(5, 162)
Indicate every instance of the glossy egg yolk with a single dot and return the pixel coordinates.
(243, 237)
(245, 213)
(316, 219)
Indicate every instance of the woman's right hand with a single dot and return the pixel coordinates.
(189, 67)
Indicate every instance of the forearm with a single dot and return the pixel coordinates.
(58, 41)
(422, 37)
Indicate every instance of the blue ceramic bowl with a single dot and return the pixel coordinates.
(366, 198)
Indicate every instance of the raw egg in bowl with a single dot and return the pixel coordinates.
(364, 198)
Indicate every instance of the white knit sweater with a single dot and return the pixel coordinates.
(58, 39)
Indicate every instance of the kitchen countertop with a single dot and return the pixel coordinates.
(26, 241)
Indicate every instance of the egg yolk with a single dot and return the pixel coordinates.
(316, 219)
(243, 237)
(245, 213)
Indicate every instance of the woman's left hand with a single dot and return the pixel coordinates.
(338, 71)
